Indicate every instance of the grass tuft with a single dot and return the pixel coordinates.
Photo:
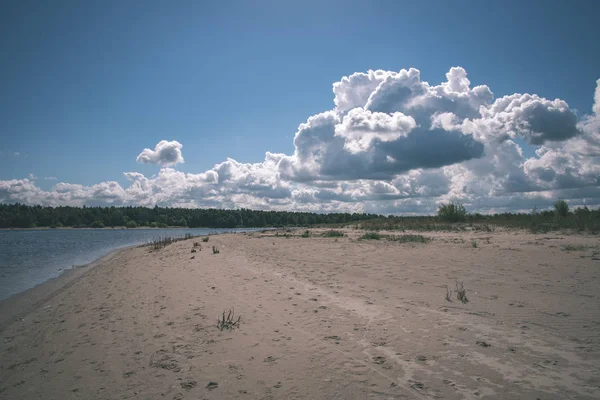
(573, 247)
(409, 239)
(215, 250)
(162, 242)
(333, 233)
(371, 236)
(461, 292)
(228, 322)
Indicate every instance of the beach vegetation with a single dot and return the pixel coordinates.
(461, 292)
(574, 247)
(371, 236)
(228, 322)
(448, 294)
(452, 212)
(408, 238)
(333, 234)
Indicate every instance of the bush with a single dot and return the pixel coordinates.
(452, 212)
(97, 224)
(306, 234)
(131, 224)
(205, 239)
(371, 236)
(561, 208)
(215, 250)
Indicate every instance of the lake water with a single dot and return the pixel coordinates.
(30, 257)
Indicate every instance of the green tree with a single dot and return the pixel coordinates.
(97, 224)
(561, 208)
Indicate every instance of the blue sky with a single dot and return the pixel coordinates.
(86, 86)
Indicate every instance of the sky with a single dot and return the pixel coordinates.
(391, 107)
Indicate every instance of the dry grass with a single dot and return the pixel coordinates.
(461, 292)
(228, 322)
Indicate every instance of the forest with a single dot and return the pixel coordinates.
(451, 216)
(23, 216)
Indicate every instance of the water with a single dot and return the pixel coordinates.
(30, 257)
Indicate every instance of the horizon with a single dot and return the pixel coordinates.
(354, 109)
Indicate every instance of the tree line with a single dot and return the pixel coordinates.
(24, 216)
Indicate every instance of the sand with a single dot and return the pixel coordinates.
(321, 318)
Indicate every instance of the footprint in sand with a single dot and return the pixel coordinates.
(417, 385)
(378, 360)
(188, 384)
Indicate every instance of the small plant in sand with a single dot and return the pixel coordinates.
(572, 247)
(215, 250)
(205, 239)
(333, 233)
(448, 294)
(193, 251)
(197, 244)
(474, 244)
(306, 234)
(409, 239)
(371, 236)
(461, 292)
(228, 322)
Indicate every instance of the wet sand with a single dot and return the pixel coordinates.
(321, 318)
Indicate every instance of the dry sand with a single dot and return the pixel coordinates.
(321, 318)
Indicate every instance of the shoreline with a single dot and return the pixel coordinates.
(64, 269)
(64, 228)
(18, 305)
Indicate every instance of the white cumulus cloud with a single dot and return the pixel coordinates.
(164, 153)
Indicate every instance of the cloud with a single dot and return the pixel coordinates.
(392, 143)
(360, 128)
(391, 130)
(535, 119)
(50, 178)
(164, 153)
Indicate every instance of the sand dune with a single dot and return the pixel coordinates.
(321, 318)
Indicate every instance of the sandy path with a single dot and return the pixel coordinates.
(321, 318)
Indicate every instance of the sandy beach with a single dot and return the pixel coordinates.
(321, 318)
